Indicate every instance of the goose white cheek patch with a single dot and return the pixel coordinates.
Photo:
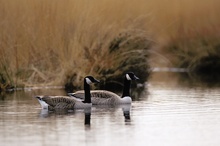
(128, 77)
(88, 81)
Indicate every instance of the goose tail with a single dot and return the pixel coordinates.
(43, 104)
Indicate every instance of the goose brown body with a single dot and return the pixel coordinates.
(99, 97)
(58, 102)
(66, 102)
(104, 97)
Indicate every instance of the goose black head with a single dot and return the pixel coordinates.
(90, 80)
(131, 76)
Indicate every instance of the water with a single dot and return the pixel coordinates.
(169, 115)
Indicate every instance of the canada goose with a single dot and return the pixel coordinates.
(103, 97)
(66, 102)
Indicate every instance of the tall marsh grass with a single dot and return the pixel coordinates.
(53, 42)
(195, 42)
(49, 42)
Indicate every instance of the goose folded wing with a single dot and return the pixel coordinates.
(103, 94)
(59, 101)
(94, 93)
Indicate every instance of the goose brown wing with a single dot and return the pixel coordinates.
(103, 94)
(96, 93)
(62, 102)
(103, 97)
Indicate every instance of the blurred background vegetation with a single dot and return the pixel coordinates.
(53, 42)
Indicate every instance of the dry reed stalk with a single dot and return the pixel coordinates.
(62, 39)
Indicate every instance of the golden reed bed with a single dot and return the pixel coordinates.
(53, 42)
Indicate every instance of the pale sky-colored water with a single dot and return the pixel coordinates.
(169, 115)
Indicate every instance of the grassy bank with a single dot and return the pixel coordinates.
(192, 40)
(199, 52)
(53, 42)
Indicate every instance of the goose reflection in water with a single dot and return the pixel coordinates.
(87, 119)
(44, 113)
(126, 108)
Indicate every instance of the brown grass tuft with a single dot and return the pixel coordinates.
(53, 42)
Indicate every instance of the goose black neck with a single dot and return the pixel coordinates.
(87, 118)
(87, 93)
(126, 89)
(127, 115)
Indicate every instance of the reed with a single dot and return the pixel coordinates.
(53, 42)
(197, 50)
(193, 40)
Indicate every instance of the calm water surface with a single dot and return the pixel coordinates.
(169, 115)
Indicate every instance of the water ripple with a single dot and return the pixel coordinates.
(166, 116)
